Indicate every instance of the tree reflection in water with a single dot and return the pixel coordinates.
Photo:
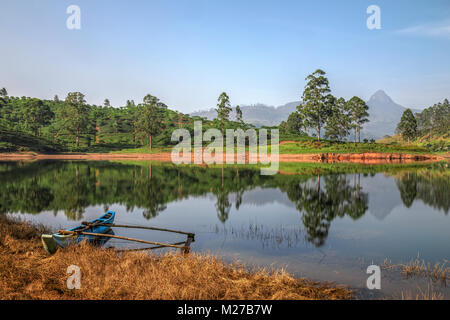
(319, 205)
(430, 186)
(72, 186)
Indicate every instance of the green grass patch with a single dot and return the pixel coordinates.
(144, 149)
(434, 143)
(22, 142)
(324, 146)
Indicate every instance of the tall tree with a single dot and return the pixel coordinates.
(294, 123)
(3, 92)
(149, 120)
(239, 114)
(339, 123)
(131, 117)
(223, 111)
(76, 115)
(36, 115)
(315, 107)
(359, 115)
(106, 103)
(407, 126)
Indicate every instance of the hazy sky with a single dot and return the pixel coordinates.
(187, 52)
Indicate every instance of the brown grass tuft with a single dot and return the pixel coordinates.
(428, 294)
(419, 268)
(28, 272)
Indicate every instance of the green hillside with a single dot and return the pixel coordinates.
(18, 141)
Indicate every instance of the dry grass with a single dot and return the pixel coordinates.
(28, 272)
(423, 294)
(419, 268)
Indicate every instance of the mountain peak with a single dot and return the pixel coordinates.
(380, 96)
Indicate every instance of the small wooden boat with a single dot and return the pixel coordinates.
(52, 242)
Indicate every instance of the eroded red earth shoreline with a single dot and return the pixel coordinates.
(367, 157)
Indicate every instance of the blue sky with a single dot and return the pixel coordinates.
(187, 52)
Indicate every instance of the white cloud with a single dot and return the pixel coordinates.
(428, 30)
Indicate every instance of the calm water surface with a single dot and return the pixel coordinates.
(316, 224)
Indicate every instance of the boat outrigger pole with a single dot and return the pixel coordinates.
(189, 234)
(184, 248)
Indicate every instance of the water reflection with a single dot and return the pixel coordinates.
(73, 186)
(321, 205)
(430, 186)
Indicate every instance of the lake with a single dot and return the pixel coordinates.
(325, 222)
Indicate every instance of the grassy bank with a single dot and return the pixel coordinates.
(18, 142)
(314, 146)
(13, 142)
(309, 145)
(28, 272)
(439, 144)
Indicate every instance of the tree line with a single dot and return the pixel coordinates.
(72, 122)
(431, 122)
(75, 124)
(320, 110)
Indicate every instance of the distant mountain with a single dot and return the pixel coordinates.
(384, 115)
(258, 114)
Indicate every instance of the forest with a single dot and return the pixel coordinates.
(71, 124)
(428, 129)
(340, 119)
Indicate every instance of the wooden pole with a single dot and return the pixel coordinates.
(148, 228)
(121, 238)
(143, 249)
(187, 244)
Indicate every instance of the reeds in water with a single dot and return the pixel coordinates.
(438, 271)
(270, 237)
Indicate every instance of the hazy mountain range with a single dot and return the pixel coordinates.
(384, 115)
